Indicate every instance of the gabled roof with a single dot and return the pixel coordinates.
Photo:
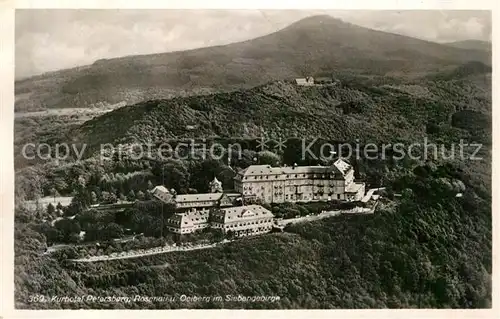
(306, 169)
(241, 213)
(225, 200)
(260, 170)
(342, 166)
(189, 219)
(185, 198)
(215, 181)
(160, 188)
(354, 187)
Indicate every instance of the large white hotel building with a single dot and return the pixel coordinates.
(299, 183)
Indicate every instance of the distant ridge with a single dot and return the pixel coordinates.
(472, 45)
(314, 45)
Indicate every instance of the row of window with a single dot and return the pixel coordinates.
(178, 222)
(263, 221)
(292, 186)
(196, 204)
(253, 230)
(293, 176)
(249, 230)
(314, 196)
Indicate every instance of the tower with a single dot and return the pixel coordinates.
(215, 186)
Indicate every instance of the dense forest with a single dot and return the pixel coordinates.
(370, 109)
(360, 110)
(424, 247)
(427, 249)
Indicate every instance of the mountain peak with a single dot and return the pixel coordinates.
(314, 45)
(317, 21)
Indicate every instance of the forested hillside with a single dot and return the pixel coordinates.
(427, 249)
(371, 109)
(358, 110)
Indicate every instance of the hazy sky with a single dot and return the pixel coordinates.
(48, 40)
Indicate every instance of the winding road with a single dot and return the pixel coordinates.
(147, 252)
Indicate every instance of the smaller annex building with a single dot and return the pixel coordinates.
(192, 203)
(216, 209)
(243, 220)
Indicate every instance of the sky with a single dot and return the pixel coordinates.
(53, 39)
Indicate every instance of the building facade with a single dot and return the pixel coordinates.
(186, 223)
(193, 210)
(191, 203)
(243, 220)
(307, 81)
(263, 183)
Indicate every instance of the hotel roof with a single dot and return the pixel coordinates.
(354, 187)
(198, 197)
(248, 212)
(340, 166)
(160, 188)
(187, 198)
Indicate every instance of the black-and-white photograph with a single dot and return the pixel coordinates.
(252, 159)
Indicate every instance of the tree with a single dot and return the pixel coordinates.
(81, 181)
(268, 158)
(218, 235)
(51, 210)
(150, 185)
(94, 197)
(54, 193)
(247, 158)
(174, 174)
(112, 230)
(131, 196)
(204, 172)
(59, 206)
(108, 197)
(60, 184)
(230, 234)
(140, 195)
(67, 228)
